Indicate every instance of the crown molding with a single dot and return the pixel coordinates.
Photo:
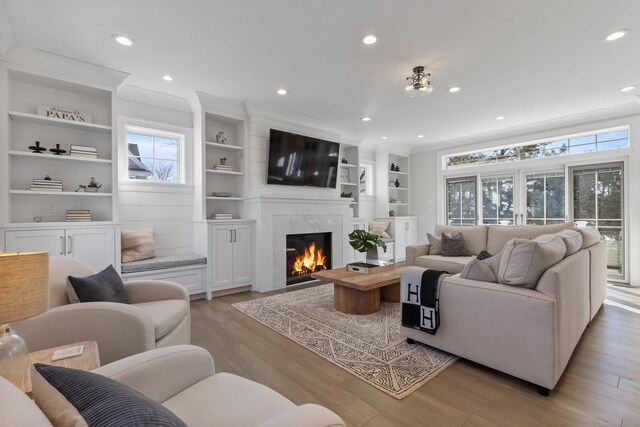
(152, 97)
(6, 32)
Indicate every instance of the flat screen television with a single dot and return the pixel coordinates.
(301, 160)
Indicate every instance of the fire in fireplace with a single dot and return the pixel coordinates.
(306, 254)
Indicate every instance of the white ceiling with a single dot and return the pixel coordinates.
(529, 61)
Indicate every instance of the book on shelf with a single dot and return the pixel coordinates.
(226, 167)
(45, 189)
(47, 181)
(85, 155)
(83, 148)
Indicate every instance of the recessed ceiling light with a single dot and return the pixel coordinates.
(615, 35)
(421, 136)
(454, 89)
(365, 119)
(500, 118)
(369, 38)
(282, 92)
(627, 88)
(167, 78)
(123, 40)
(384, 137)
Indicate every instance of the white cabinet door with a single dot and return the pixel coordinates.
(400, 238)
(352, 255)
(51, 241)
(221, 257)
(242, 255)
(95, 246)
(412, 232)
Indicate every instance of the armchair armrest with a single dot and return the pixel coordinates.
(119, 329)
(414, 251)
(154, 290)
(308, 415)
(162, 373)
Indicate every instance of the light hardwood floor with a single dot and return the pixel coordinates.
(600, 387)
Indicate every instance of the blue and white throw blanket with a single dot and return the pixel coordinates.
(419, 290)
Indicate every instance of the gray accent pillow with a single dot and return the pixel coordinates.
(483, 255)
(435, 244)
(104, 286)
(484, 270)
(103, 402)
(454, 245)
(524, 261)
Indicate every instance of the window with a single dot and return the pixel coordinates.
(497, 200)
(606, 140)
(154, 155)
(366, 179)
(545, 198)
(461, 201)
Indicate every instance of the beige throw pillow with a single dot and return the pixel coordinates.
(435, 244)
(485, 270)
(572, 240)
(137, 245)
(379, 228)
(524, 261)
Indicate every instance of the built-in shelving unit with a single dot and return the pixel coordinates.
(399, 196)
(36, 119)
(53, 157)
(349, 175)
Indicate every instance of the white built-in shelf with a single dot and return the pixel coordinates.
(34, 118)
(353, 203)
(347, 165)
(397, 188)
(224, 198)
(398, 204)
(225, 146)
(58, 193)
(224, 172)
(397, 173)
(348, 183)
(15, 153)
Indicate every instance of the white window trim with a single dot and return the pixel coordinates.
(185, 154)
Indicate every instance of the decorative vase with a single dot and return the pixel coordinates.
(223, 161)
(220, 138)
(372, 256)
(393, 167)
(91, 190)
(397, 183)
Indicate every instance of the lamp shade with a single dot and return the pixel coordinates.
(24, 285)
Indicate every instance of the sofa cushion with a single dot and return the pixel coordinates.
(163, 262)
(454, 245)
(103, 286)
(475, 236)
(499, 235)
(485, 270)
(16, 409)
(572, 240)
(379, 228)
(137, 245)
(221, 400)
(452, 265)
(98, 400)
(435, 244)
(166, 314)
(524, 261)
(590, 236)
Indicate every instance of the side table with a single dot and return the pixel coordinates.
(87, 361)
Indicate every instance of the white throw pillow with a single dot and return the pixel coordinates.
(485, 270)
(379, 228)
(572, 240)
(524, 261)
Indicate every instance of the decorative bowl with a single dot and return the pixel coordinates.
(221, 194)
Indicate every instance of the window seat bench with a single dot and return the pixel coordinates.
(189, 270)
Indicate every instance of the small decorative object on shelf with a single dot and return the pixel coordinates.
(223, 166)
(344, 161)
(396, 183)
(223, 160)
(78, 215)
(46, 184)
(92, 187)
(392, 213)
(221, 138)
(64, 113)
(393, 167)
(397, 168)
(37, 148)
(343, 194)
(38, 219)
(83, 151)
(57, 151)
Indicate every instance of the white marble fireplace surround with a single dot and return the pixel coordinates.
(279, 216)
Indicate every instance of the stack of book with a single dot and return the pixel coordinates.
(221, 216)
(46, 185)
(220, 167)
(78, 215)
(83, 151)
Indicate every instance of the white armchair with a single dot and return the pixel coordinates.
(157, 315)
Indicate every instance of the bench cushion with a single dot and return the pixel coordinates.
(163, 262)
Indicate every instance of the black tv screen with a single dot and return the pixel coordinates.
(302, 160)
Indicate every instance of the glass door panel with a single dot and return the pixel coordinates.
(545, 198)
(461, 200)
(497, 200)
(597, 200)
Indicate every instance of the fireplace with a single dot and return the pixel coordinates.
(306, 254)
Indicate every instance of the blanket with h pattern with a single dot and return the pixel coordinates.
(419, 297)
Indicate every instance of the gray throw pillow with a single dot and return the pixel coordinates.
(104, 286)
(524, 261)
(435, 244)
(454, 245)
(484, 270)
(100, 401)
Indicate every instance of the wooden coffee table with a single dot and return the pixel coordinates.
(357, 293)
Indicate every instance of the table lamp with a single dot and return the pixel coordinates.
(24, 293)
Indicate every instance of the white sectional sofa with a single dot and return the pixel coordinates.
(527, 333)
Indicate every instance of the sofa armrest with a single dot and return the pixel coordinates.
(308, 415)
(414, 251)
(119, 329)
(162, 373)
(154, 290)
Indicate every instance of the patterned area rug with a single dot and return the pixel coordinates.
(370, 347)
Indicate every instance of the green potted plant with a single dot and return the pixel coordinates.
(92, 187)
(365, 242)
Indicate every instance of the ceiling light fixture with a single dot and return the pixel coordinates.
(384, 137)
(369, 39)
(628, 88)
(123, 40)
(454, 89)
(282, 92)
(365, 119)
(420, 84)
(420, 136)
(500, 118)
(167, 78)
(615, 35)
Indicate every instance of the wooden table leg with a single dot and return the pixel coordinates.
(353, 301)
(390, 293)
